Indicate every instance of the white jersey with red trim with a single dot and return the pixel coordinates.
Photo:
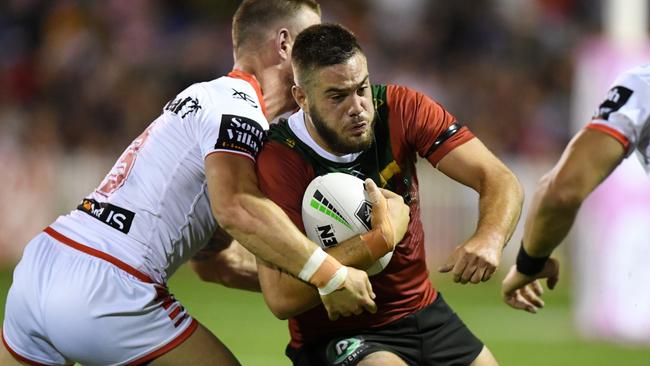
(625, 113)
(152, 209)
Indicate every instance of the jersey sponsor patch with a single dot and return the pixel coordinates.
(111, 215)
(616, 98)
(240, 134)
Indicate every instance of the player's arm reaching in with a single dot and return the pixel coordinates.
(287, 296)
(500, 201)
(226, 262)
(588, 159)
(266, 231)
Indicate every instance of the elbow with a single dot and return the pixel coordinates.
(561, 194)
(230, 213)
(508, 184)
(517, 188)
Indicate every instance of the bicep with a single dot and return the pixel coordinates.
(227, 175)
(470, 163)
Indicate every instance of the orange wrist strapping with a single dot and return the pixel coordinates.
(376, 243)
(325, 272)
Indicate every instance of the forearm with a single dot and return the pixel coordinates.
(589, 158)
(267, 232)
(500, 202)
(285, 295)
(288, 296)
(225, 262)
(548, 221)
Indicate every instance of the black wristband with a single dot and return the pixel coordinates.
(528, 265)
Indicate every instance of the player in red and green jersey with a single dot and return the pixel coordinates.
(375, 131)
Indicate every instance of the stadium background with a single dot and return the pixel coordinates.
(80, 79)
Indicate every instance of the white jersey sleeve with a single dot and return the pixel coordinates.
(625, 112)
(228, 119)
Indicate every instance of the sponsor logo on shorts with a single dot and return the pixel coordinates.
(616, 98)
(320, 203)
(344, 351)
(111, 215)
(240, 134)
(363, 214)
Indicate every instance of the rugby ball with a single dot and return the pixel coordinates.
(335, 207)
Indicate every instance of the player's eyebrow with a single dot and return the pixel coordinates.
(341, 90)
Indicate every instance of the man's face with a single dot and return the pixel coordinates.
(339, 106)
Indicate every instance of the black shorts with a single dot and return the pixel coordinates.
(433, 336)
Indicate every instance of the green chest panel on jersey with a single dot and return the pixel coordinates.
(376, 162)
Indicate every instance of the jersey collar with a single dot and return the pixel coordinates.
(298, 125)
(251, 79)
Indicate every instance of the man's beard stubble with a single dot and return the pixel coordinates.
(331, 137)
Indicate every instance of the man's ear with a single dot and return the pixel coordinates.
(299, 96)
(283, 43)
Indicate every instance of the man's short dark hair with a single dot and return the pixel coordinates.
(253, 17)
(322, 45)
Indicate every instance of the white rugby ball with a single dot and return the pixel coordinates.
(335, 207)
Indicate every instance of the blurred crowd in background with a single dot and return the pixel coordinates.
(89, 76)
(80, 79)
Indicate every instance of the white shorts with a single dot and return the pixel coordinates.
(69, 304)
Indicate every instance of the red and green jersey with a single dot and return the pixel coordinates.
(407, 124)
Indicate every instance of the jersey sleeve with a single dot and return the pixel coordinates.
(219, 122)
(624, 113)
(427, 127)
(283, 177)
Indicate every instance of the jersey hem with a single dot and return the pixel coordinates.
(611, 132)
(98, 254)
(229, 152)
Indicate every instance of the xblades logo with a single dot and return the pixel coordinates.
(245, 97)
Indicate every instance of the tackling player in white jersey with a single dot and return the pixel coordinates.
(620, 127)
(92, 287)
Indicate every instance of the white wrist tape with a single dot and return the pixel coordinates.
(311, 266)
(336, 281)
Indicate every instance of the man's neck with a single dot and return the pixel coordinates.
(276, 96)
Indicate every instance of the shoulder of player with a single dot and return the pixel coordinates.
(636, 78)
(400, 95)
(277, 157)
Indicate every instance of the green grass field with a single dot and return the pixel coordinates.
(243, 323)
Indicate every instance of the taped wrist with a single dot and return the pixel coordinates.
(335, 282)
(320, 269)
(376, 243)
(528, 265)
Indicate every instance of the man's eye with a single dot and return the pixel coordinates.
(337, 98)
(362, 90)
